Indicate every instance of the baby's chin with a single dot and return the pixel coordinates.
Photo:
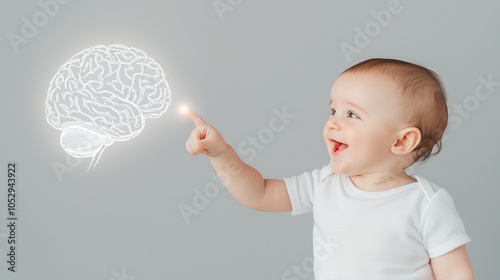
(342, 170)
(336, 168)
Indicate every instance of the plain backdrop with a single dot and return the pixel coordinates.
(235, 63)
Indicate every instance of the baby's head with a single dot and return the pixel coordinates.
(388, 114)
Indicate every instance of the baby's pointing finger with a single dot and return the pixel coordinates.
(198, 121)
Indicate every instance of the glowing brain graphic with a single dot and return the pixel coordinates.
(104, 94)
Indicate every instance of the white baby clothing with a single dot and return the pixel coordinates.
(360, 235)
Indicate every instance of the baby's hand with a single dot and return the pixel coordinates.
(204, 139)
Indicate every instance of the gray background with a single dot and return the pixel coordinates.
(122, 219)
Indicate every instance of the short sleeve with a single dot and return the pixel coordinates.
(441, 227)
(302, 189)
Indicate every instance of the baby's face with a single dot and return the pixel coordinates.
(363, 125)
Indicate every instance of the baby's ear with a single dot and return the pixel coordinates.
(408, 139)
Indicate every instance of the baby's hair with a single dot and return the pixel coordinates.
(423, 100)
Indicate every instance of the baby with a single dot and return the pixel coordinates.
(371, 219)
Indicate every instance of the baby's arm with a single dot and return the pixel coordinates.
(248, 186)
(454, 265)
(244, 182)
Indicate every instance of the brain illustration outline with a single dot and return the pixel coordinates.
(104, 94)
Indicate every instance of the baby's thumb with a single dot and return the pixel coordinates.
(201, 145)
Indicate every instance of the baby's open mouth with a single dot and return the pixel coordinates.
(338, 146)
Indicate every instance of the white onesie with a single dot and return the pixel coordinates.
(360, 235)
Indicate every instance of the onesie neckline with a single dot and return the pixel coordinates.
(350, 185)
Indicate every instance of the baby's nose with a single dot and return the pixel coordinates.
(332, 123)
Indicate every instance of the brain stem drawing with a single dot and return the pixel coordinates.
(104, 94)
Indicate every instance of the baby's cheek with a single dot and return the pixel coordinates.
(362, 143)
(353, 137)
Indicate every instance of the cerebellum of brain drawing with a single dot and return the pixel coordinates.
(105, 94)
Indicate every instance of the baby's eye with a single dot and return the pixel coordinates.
(352, 115)
(332, 111)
